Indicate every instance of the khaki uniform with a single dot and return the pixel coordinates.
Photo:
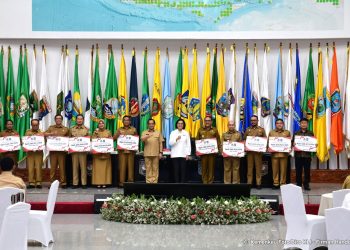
(125, 157)
(231, 164)
(34, 161)
(11, 154)
(153, 147)
(101, 163)
(279, 160)
(58, 158)
(208, 161)
(254, 158)
(79, 159)
(7, 179)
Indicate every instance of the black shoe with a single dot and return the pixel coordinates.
(84, 187)
(258, 187)
(39, 186)
(74, 187)
(64, 186)
(307, 188)
(30, 186)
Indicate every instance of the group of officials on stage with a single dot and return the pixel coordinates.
(180, 143)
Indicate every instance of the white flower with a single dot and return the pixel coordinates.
(164, 201)
(135, 200)
(152, 202)
(240, 203)
(192, 203)
(123, 201)
(226, 202)
(117, 198)
(208, 202)
(179, 203)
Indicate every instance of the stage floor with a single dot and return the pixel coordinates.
(87, 195)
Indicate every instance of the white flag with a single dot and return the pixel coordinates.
(288, 94)
(326, 94)
(33, 91)
(266, 122)
(232, 92)
(347, 107)
(45, 110)
(67, 94)
(89, 91)
(256, 104)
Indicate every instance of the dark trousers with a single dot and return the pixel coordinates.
(179, 169)
(300, 163)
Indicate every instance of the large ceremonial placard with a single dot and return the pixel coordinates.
(232, 149)
(57, 143)
(10, 143)
(33, 143)
(256, 144)
(280, 144)
(206, 146)
(79, 144)
(305, 143)
(102, 145)
(128, 142)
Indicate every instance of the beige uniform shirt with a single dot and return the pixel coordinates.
(7, 179)
(124, 131)
(31, 132)
(154, 144)
(204, 133)
(104, 133)
(79, 131)
(254, 131)
(7, 132)
(56, 130)
(279, 133)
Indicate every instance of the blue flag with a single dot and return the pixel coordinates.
(246, 100)
(297, 96)
(167, 106)
(133, 98)
(279, 105)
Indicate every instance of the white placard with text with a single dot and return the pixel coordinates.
(10, 143)
(256, 144)
(206, 146)
(33, 143)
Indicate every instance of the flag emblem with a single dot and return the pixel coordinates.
(222, 106)
(23, 106)
(193, 109)
(321, 110)
(145, 104)
(167, 107)
(184, 100)
(134, 107)
(155, 107)
(335, 99)
(44, 108)
(265, 107)
(96, 111)
(177, 104)
(111, 108)
(122, 107)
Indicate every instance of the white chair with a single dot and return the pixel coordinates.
(303, 230)
(346, 201)
(14, 229)
(5, 198)
(338, 197)
(40, 221)
(337, 225)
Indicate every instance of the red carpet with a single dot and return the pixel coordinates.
(310, 209)
(66, 207)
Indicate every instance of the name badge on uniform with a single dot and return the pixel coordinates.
(280, 144)
(256, 144)
(102, 145)
(33, 143)
(206, 146)
(57, 143)
(10, 143)
(232, 149)
(305, 143)
(79, 144)
(128, 142)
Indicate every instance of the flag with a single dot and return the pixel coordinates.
(319, 114)
(45, 111)
(33, 90)
(134, 107)
(327, 98)
(145, 101)
(59, 98)
(347, 104)
(96, 105)
(87, 119)
(110, 98)
(297, 112)
(167, 105)
(2, 91)
(77, 107)
(156, 95)
(232, 92)
(287, 95)
(10, 90)
(185, 92)
(206, 97)
(265, 101)
(22, 102)
(123, 104)
(337, 115)
(222, 105)
(255, 88)
(279, 105)
(309, 93)
(246, 109)
(193, 98)
(67, 93)
(178, 89)
(214, 86)
(18, 84)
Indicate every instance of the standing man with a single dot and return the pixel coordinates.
(153, 151)
(58, 158)
(254, 158)
(208, 161)
(34, 158)
(9, 131)
(79, 159)
(125, 157)
(279, 159)
(231, 164)
(302, 158)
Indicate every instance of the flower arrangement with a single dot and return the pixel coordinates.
(214, 211)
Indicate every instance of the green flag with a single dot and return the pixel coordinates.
(22, 103)
(77, 108)
(214, 87)
(309, 93)
(110, 99)
(145, 102)
(178, 90)
(96, 106)
(10, 90)
(18, 84)
(2, 90)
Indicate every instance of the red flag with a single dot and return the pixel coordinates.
(337, 115)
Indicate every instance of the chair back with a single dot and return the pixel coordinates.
(293, 204)
(14, 229)
(346, 201)
(337, 227)
(51, 199)
(338, 197)
(9, 196)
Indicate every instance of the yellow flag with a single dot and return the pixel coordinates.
(319, 124)
(206, 92)
(184, 95)
(123, 104)
(194, 101)
(157, 93)
(221, 98)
